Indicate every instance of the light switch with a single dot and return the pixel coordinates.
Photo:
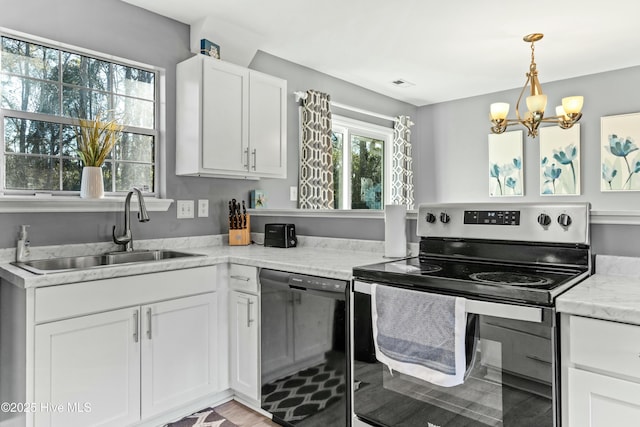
(293, 193)
(185, 209)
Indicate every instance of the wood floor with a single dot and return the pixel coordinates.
(243, 416)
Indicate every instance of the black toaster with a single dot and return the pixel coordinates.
(280, 235)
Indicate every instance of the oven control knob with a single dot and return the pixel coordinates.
(564, 220)
(444, 218)
(544, 220)
(430, 218)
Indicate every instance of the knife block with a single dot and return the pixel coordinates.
(240, 237)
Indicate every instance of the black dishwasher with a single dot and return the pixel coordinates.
(304, 345)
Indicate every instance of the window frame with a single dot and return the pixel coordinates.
(158, 132)
(347, 127)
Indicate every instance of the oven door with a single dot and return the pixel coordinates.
(512, 380)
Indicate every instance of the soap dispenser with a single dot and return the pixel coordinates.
(22, 248)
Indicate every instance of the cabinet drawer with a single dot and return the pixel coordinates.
(243, 278)
(605, 345)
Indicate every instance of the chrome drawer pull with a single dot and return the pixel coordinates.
(243, 278)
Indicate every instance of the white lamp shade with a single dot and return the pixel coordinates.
(561, 113)
(537, 103)
(572, 104)
(499, 110)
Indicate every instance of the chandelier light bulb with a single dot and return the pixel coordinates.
(499, 110)
(537, 103)
(572, 104)
(561, 113)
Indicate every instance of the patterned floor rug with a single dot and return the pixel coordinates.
(204, 418)
(304, 393)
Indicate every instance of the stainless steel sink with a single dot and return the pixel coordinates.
(59, 265)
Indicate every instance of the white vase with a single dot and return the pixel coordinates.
(92, 185)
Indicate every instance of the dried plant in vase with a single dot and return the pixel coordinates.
(95, 140)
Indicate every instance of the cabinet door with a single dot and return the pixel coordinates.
(179, 361)
(600, 401)
(313, 325)
(276, 332)
(244, 344)
(91, 359)
(225, 131)
(268, 125)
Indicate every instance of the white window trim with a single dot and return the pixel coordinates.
(347, 126)
(44, 201)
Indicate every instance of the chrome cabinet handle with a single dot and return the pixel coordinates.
(243, 278)
(246, 152)
(249, 319)
(149, 323)
(135, 326)
(254, 158)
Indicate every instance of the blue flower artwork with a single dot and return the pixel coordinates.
(505, 164)
(560, 161)
(620, 153)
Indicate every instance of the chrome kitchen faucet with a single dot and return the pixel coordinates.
(127, 238)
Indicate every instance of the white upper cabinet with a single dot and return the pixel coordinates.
(230, 121)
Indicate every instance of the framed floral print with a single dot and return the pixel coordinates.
(619, 154)
(560, 161)
(506, 174)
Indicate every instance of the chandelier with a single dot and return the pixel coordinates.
(566, 116)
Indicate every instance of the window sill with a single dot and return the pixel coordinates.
(19, 204)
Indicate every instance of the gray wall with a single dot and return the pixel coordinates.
(300, 78)
(458, 130)
(450, 139)
(453, 148)
(117, 28)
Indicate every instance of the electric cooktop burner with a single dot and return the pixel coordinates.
(510, 278)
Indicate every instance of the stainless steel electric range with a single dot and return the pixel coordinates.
(509, 262)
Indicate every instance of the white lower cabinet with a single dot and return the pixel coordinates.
(91, 359)
(244, 344)
(179, 352)
(118, 352)
(145, 360)
(601, 370)
(601, 401)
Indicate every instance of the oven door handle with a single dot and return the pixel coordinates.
(495, 309)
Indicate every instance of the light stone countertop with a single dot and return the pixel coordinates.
(613, 293)
(334, 258)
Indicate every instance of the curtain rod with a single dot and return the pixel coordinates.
(303, 95)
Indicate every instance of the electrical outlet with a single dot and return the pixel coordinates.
(203, 208)
(293, 194)
(185, 209)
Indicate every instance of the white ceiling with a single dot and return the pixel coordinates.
(449, 49)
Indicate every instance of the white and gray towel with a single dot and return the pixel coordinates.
(420, 334)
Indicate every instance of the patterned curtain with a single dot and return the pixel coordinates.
(316, 157)
(401, 170)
